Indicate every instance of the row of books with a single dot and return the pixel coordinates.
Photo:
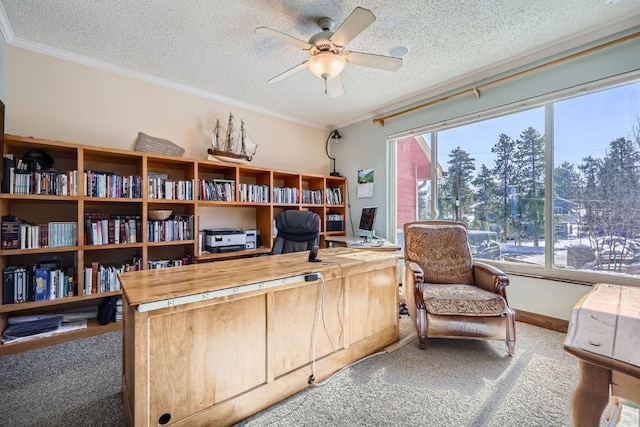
(286, 195)
(108, 184)
(217, 189)
(312, 197)
(37, 282)
(334, 196)
(176, 227)
(255, 193)
(104, 278)
(50, 183)
(18, 234)
(101, 278)
(167, 263)
(110, 229)
(161, 187)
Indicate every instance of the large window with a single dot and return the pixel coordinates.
(579, 212)
(494, 182)
(596, 180)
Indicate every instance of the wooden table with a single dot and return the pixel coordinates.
(213, 343)
(604, 333)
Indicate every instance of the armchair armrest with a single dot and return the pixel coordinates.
(417, 279)
(490, 278)
(412, 287)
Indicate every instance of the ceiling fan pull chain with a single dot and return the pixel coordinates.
(325, 85)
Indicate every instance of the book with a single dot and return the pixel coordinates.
(10, 233)
(42, 282)
(94, 276)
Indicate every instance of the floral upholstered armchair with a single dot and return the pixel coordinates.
(449, 295)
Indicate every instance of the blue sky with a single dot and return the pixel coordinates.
(583, 126)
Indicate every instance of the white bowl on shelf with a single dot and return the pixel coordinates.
(160, 214)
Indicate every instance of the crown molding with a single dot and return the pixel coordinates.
(572, 42)
(12, 40)
(5, 28)
(125, 72)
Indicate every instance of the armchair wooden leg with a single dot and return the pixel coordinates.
(422, 342)
(421, 325)
(511, 332)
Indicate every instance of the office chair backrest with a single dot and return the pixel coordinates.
(297, 231)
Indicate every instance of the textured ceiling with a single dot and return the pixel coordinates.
(211, 45)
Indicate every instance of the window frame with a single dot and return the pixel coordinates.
(548, 270)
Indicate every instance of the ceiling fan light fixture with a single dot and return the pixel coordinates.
(326, 65)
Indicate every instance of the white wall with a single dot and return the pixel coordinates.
(364, 145)
(546, 297)
(57, 99)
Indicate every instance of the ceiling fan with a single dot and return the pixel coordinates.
(328, 57)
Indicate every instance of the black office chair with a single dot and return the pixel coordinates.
(297, 231)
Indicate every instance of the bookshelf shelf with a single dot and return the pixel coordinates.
(231, 255)
(31, 305)
(155, 182)
(111, 199)
(93, 328)
(43, 197)
(46, 250)
(172, 243)
(111, 246)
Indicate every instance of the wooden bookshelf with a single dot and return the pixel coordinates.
(72, 207)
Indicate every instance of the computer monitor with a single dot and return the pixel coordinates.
(367, 219)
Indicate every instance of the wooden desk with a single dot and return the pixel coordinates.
(378, 245)
(213, 343)
(603, 334)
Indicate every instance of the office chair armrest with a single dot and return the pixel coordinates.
(490, 278)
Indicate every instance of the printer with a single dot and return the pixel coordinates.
(229, 239)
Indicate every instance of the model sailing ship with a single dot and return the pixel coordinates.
(235, 148)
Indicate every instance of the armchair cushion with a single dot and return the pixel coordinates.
(442, 251)
(462, 300)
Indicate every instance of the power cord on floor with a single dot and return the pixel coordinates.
(328, 379)
(312, 377)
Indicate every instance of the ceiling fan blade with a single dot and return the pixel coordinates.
(284, 38)
(334, 87)
(289, 72)
(355, 23)
(389, 63)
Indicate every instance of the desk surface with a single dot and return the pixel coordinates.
(603, 328)
(154, 285)
(603, 336)
(354, 242)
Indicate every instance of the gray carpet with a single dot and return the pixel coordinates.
(453, 383)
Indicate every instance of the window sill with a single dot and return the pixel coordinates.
(578, 277)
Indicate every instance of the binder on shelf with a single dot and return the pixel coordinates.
(8, 276)
(7, 174)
